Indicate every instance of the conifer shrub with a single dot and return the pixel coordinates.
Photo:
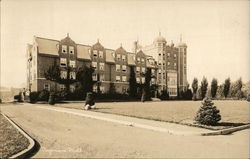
(208, 114)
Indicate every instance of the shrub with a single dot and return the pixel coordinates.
(60, 96)
(164, 95)
(16, 97)
(33, 97)
(208, 114)
(51, 98)
(43, 95)
(248, 97)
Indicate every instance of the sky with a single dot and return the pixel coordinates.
(216, 32)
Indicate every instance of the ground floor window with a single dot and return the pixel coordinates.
(62, 87)
(46, 87)
(72, 88)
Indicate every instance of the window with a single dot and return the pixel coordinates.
(153, 71)
(72, 88)
(153, 80)
(174, 55)
(118, 57)
(159, 71)
(143, 79)
(123, 58)
(71, 49)
(89, 51)
(94, 64)
(124, 78)
(101, 66)
(138, 59)
(137, 69)
(102, 78)
(62, 87)
(117, 78)
(72, 75)
(63, 62)
(143, 70)
(94, 77)
(102, 89)
(163, 63)
(124, 68)
(168, 63)
(100, 54)
(159, 54)
(174, 64)
(142, 60)
(168, 54)
(95, 53)
(137, 79)
(46, 87)
(72, 63)
(118, 68)
(124, 89)
(94, 88)
(63, 74)
(64, 48)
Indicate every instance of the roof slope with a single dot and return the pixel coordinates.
(83, 52)
(47, 46)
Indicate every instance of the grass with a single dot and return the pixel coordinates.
(12, 141)
(234, 113)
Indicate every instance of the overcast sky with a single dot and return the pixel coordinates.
(216, 32)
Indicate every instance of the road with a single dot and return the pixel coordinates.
(67, 135)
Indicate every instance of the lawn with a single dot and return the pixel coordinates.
(234, 113)
(12, 141)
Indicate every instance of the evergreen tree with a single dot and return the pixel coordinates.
(204, 85)
(54, 74)
(226, 87)
(132, 83)
(195, 88)
(214, 87)
(236, 89)
(148, 77)
(84, 77)
(208, 114)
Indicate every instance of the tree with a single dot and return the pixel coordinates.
(208, 114)
(226, 87)
(195, 87)
(214, 87)
(132, 83)
(236, 89)
(54, 74)
(204, 85)
(146, 93)
(84, 77)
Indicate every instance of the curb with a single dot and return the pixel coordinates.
(226, 131)
(26, 151)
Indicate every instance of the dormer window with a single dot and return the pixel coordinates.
(118, 57)
(123, 58)
(100, 54)
(64, 49)
(71, 49)
(95, 53)
(138, 59)
(142, 60)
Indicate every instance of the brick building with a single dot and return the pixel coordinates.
(111, 66)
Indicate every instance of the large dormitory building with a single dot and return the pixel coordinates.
(167, 62)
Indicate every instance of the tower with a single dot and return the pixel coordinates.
(182, 65)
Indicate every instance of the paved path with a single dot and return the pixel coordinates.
(63, 134)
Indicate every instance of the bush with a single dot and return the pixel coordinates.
(208, 114)
(248, 97)
(51, 98)
(43, 95)
(16, 97)
(33, 97)
(164, 95)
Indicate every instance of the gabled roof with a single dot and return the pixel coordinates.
(109, 56)
(83, 52)
(120, 50)
(98, 46)
(131, 59)
(47, 46)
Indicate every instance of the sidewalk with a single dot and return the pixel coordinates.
(171, 128)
